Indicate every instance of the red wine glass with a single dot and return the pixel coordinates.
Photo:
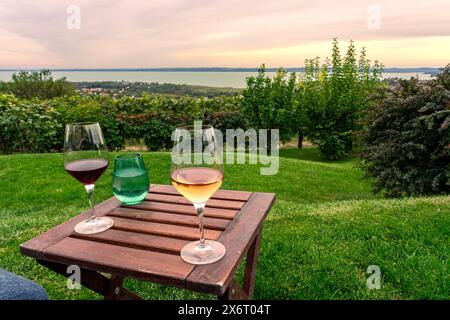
(86, 158)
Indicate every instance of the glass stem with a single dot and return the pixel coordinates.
(200, 207)
(90, 191)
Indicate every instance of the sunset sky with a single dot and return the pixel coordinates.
(231, 33)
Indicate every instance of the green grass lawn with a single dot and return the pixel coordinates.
(325, 229)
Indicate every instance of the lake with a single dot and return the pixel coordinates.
(210, 78)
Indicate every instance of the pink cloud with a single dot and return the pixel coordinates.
(159, 33)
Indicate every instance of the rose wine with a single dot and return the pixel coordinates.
(197, 184)
(87, 171)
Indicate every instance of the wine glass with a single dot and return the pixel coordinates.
(86, 158)
(197, 173)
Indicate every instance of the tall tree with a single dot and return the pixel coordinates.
(333, 96)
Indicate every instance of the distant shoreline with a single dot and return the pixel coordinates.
(210, 77)
(426, 70)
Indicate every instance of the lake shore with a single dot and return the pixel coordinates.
(223, 79)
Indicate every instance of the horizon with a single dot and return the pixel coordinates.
(217, 69)
(85, 34)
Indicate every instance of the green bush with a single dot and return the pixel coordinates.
(407, 140)
(37, 84)
(7, 102)
(269, 103)
(154, 119)
(158, 132)
(222, 120)
(113, 129)
(333, 95)
(38, 125)
(28, 125)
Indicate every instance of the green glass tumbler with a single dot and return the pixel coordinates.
(130, 179)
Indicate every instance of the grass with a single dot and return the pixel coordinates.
(318, 241)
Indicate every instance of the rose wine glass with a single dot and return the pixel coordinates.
(86, 158)
(197, 173)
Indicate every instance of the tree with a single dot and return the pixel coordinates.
(269, 103)
(333, 96)
(37, 84)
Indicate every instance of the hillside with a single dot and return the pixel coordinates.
(324, 231)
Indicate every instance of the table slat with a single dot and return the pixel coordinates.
(179, 199)
(136, 240)
(162, 229)
(146, 265)
(164, 217)
(35, 246)
(183, 209)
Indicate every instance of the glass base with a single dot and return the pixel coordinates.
(131, 203)
(193, 253)
(130, 200)
(94, 225)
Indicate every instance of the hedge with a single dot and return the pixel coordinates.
(38, 125)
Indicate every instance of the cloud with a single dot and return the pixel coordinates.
(21, 50)
(157, 33)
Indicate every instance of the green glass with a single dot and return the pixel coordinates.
(130, 178)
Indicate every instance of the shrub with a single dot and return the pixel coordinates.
(113, 130)
(407, 141)
(333, 95)
(158, 132)
(28, 125)
(269, 103)
(222, 120)
(7, 102)
(37, 84)
(38, 125)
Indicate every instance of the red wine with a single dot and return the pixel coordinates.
(87, 171)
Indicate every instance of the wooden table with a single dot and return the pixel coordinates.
(146, 240)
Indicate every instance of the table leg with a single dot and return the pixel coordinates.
(116, 291)
(111, 288)
(251, 265)
(234, 291)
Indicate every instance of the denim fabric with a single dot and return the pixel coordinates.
(14, 287)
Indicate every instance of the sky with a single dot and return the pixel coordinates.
(225, 33)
